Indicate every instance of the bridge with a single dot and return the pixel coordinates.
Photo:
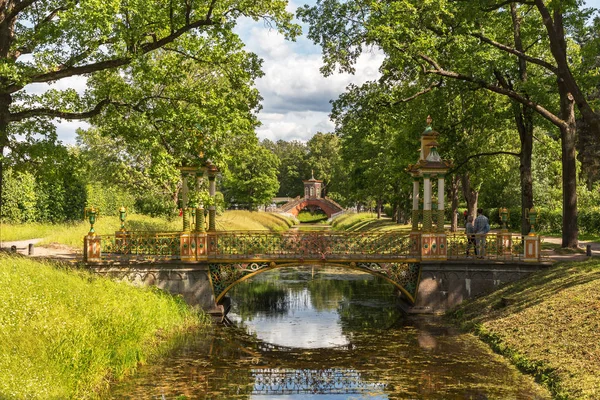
(431, 269)
(204, 266)
(312, 200)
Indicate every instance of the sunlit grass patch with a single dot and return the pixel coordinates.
(63, 333)
(550, 326)
(367, 222)
(240, 220)
(349, 221)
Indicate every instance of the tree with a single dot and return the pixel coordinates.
(293, 167)
(444, 39)
(251, 178)
(43, 41)
(325, 159)
(375, 151)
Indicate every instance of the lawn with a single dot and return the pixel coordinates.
(66, 333)
(547, 325)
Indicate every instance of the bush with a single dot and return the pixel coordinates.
(18, 197)
(109, 199)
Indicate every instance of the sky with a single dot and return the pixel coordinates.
(296, 97)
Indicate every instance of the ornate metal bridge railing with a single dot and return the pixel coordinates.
(250, 245)
(309, 245)
(301, 246)
(492, 246)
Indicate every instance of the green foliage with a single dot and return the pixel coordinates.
(293, 166)
(63, 333)
(251, 178)
(18, 197)
(108, 199)
(49, 189)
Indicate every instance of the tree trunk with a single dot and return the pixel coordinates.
(569, 171)
(5, 100)
(471, 196)
(524, 122)
(454, 184)
(379, 207)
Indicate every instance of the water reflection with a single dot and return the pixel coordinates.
(302, 334)
(317, 309)
(310, 381)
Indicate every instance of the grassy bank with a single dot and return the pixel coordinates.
(71, 234)
(362, 222)
(64, 333)
(548, 325)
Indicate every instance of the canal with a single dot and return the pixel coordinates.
(326, 333)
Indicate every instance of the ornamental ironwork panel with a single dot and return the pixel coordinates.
(142, 247)
(223, 276)
(405, 276)
(308, 245)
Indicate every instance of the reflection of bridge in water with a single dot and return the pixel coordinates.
(311, 381)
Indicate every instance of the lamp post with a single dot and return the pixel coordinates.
(122, 215)
(92, 213)
(504, 213)
(531, 216)
(91, 248)
(504, 238)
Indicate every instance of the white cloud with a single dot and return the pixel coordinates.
(79, 83)
(293, 125)
(66, 130)
(296, 95)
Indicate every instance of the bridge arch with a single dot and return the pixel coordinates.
(404, 275)
(326, 205)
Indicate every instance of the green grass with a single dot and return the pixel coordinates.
(362, 222)
(308, 217)
(64, 334)
(240, 220)
(71, 234)
(549, 327)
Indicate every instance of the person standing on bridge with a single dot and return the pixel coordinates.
(482, 227)
(470, 231)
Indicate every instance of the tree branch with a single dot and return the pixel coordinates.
(438, 70)
(65, 70)
(515, 52)
(48, 112)
(422, 92)
(18, 8)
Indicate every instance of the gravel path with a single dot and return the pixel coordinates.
(47, 251)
